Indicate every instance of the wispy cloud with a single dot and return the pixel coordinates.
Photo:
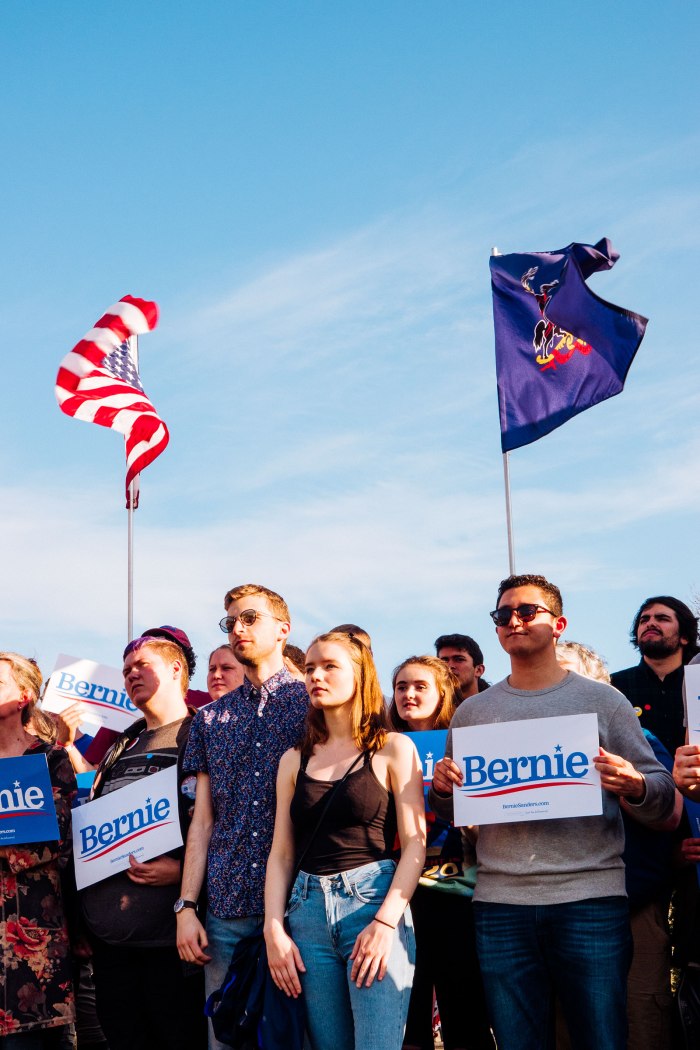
(404, 276)
(383, 550)
(335, 436)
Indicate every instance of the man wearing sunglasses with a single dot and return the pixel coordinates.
(234, 748)
(550, 908)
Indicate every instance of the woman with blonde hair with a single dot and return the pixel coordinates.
(341, 798)
(36, 1001)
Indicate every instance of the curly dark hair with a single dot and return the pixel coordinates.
(556, 605)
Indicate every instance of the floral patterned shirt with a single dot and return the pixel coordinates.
(35, 976)
(239, 740)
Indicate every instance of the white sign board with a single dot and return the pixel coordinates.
(139, 820)
(536, 769)
(692, 702)
(99, 688)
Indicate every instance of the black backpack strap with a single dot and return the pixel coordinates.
(116, 751)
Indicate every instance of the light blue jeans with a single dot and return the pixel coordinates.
(223, 935)
(326, 913)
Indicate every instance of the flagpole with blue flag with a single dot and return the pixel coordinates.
(560, 348)
(506, 482)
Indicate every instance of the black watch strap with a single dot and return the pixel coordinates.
(181, 904)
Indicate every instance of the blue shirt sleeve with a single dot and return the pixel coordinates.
(195, 760)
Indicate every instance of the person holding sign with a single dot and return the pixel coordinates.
(686, 773)
(549, 906)
(351, 945)
(144, 998)
(86, 752)
(686, 767)
(37, 992)
(426, 695)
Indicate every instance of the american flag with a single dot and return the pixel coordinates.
(98, 382)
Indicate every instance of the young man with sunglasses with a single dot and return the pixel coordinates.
(550, 908)
(234, 748)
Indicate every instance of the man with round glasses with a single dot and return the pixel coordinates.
(550, 908)
(234, 748)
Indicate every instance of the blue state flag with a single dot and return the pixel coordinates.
(27, 811)
(560, 348)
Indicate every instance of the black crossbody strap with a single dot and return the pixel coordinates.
(329, 799)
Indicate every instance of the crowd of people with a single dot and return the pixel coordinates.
(304, 811)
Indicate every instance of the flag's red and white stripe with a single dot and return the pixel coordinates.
(88, 391)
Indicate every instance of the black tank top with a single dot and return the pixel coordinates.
(359, 827)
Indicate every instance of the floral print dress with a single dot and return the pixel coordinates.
(36, 989)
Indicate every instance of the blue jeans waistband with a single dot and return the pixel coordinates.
(343, 879)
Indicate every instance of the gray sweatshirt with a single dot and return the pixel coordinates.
(570, 858)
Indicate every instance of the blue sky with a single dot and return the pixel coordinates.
(310, 192)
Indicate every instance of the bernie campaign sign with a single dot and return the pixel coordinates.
(27, 811)
(140, 820)
(692, 702)
(534, 769)
(99, 688)
(430, 746)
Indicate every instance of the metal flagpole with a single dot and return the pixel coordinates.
(133, 495)
(509, 518)
(506, 482)
(130, 566)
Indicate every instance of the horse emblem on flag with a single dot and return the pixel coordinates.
(553, 345)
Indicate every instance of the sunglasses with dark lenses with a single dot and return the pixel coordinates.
(525, 613)
(247, 618)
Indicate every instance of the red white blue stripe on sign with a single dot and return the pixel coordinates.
(27, 811)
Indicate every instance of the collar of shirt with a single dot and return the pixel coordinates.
(676, 675)
(268, 688)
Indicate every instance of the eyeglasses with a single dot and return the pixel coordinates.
(247, 618)
(525, 613)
